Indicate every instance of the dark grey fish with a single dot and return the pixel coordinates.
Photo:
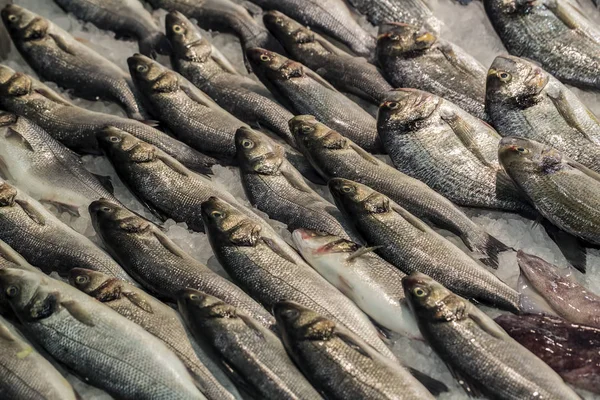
(126, 18)
(155, 317)
(306, 92)
(335, 156)
(249, 352)
(413, 12)
(338, 362)
(525, 101)
(76, 127)
(569, 349)
(412, 57)
(556, 34)
(330, 17)
(347, 73)
(481, 355)
(160, 265)
(454, 153)
(56, 56)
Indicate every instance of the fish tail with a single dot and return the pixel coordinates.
(154, 44)
(488, 246)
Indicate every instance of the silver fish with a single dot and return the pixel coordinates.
(413, 12)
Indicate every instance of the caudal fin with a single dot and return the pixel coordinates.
(155, 44)
(489, 247)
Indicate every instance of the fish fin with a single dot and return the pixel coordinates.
(327, 45)
(78, 312)
(296, 182)
(196, 95)
(150, 122)
(411, 219)
(582, 168)
(31, 212)
(351, 341)
(491, 248)
(364, 154)
(62, 44)
(318, 78)
(63, 207)
(456, 60)
(169, 245)
(174, 165)
(362, 251)
(153, 44)
(106, 182)
(277, 250)
(566, 111)
(487, 324)
(562, 12)
(6, 334)
(253, 9)
(52, 96)
(570, 246)
(14, 136)
(435, 386)
(466, 134)
(139, 301)
(222, 61)
(470, 387)
(9, 254)
(4, 170)
(238, 379)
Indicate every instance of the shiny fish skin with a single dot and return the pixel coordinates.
(412, 57)
(347, 73)
(525, 101)
(103, 347)
(306, 92)
(76, 127)
(252, 354)
(570, 349)
(410, 245)
(275, 187)
(413, 12)
(562, 190)
(159, 264)
(480, 354)
(268, 269)
(454, 153)
(127, 18)
(9, 258)
(338, 362)
(56, 56)
(47, 170)
(26, 374)
(335, 156)
(45, 241)
(331, 17)
(553, 33)
(155, 317)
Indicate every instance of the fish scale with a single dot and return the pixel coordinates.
(413, 12)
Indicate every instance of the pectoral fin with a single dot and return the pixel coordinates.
(6, 334)
(364, 154)
(78, 312)
(465, 132)
(14, 137)
(566, 111)
(582, 168)
(174, 165)
(62, 44)
(196, 95)
(70, 209)
(169, 245)
(487, 324)
(106, 182)
(139, 301)
(277, 250)
(31, 212)
(296, 181)
(51, 96)
(411, 219)
(312, 74)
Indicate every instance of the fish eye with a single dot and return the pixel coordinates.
(177, 29)
(216, 214)
(12, 291)
(504, 76)
(392, 105)
(280, 21)
(394, 37)
(105, 209)
(346, 189)
(114, 139)
(522, 150)
(81, 279)
(306, 129)
(12, 18)
(264, 57)
(141, 68)
(291, 313)
(419, 292)
(247, 143)
(194, 296)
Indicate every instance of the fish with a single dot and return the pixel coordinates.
(26, 373)
(101, 346)
(306, 92)
(555, 34)
(413, 12)
(49, 172)
(335, 156)
(371, 282)
(562, 190)
(483, 358)
(330, 17)
(560, 289)
(127, 19)
(413, 57)
(338, 362)
(155, 317)
(454, 153)
(36, 86)
(58, 57)
(76, 127)
(160, 182)
(253, 355)
(45, 241)
(9, 258)
(569, 349)
(160, 265)
(347, 73)
(275, 187)
(525, 101)
(269, 270)
(405, 241)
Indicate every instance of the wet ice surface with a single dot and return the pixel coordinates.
(466, 26)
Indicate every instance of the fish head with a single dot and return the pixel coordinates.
(310, 133)
(286, 29)
(257, 153)
(404, 107)
(397, 39)
(272, 65)
(109, 218)
(24, 25)
(151, 75)
(514, 80)
(547, 279)
(430, 300)
(225, 224)
(122, 147)
(313, 243)
(524, 155)
(100, 286)
(186, 40)
(14, 84)
(356, 199)
(8, 194)
(204, 306)
(27, 293)
(297, 322)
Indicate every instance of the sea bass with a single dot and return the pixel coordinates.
(413, 12)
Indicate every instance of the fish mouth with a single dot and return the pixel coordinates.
(536, 79)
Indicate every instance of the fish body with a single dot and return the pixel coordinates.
(409, 244)
(525, 101)
(103, 347)
(56, 56)
(246, 349)
(9, 258)
(555, 34)
(413, 12)
(564, 191)
(159, 264)
(569, 349)
(306, 92)
(480, 354)
(155, 317)
(454, 153)
(411, 57)
(347, 73)
(335, 156)
(338, 362)
(127, 19)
